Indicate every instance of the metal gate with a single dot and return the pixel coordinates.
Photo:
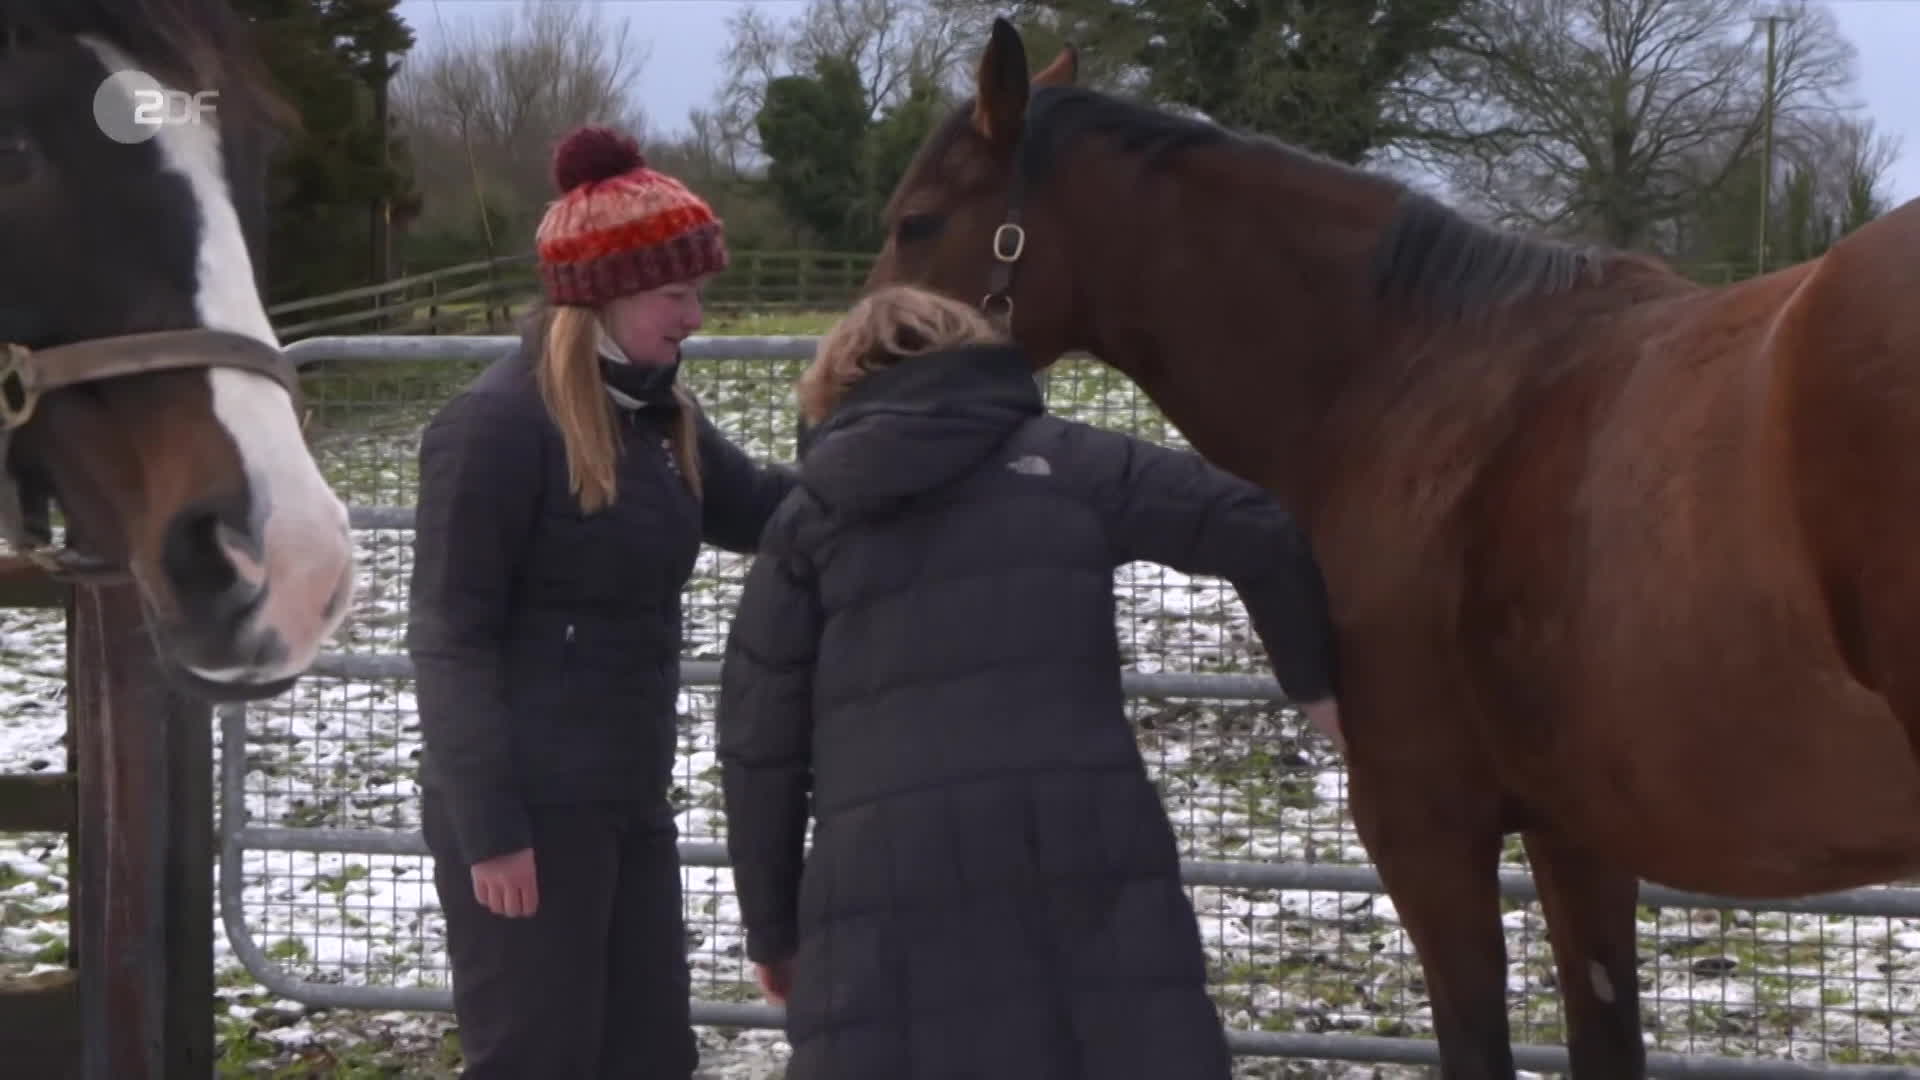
(1308, 959)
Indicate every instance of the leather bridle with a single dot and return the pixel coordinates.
(27, 374)
(1009, 243)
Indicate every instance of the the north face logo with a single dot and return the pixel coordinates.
(1031, 465)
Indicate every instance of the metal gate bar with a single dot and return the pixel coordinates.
(237, 837)
(1869, 902)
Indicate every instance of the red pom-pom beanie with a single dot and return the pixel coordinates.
(619, 227)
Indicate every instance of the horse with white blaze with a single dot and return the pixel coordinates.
(143, 389)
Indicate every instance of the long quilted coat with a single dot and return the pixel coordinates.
(924, 661)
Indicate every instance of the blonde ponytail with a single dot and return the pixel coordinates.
(568, 374)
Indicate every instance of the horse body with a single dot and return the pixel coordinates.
(1851, 403)
(1640, 606)
(1608, 555)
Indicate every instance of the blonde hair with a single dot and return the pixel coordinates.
(568, 372)
(884, 328)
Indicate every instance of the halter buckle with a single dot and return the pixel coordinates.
(18, 395)
(1019, 237)
(1005, 314)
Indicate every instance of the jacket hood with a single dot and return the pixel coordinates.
(917, 426)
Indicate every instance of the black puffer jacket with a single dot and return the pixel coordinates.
(547, 642)
(925, 658)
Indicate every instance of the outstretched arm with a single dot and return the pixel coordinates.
(741, 494)
(765, 722)
(1174, 508)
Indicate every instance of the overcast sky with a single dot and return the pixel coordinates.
(688, 37)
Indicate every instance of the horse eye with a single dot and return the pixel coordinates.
(915, 227)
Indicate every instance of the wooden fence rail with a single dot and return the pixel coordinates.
(485, 296)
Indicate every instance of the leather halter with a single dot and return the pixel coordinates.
(1009, 243)
(26, 374)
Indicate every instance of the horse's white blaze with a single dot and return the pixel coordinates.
(305, 550)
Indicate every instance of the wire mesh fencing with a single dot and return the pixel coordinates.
(1246, 782)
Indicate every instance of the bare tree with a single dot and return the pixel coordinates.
(1614, 118)
(482, 110)
(700, 150)
(1852, 160)
(891, 43)
(1832, 183)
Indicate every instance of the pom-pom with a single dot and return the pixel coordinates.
(594, 153)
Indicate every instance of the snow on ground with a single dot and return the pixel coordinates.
(1242, 781)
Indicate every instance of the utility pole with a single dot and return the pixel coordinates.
(382, 209)
(1772, 19)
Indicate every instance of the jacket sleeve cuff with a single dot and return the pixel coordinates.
(768, 945)
(489, 825)
(1315, 692)
(1304, 672)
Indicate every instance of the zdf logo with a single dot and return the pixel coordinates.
(132, 106)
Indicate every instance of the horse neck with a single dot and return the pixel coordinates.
(1237, 294)
(1286, 312)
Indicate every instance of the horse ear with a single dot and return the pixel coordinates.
(1062, 72)
(1000, 103)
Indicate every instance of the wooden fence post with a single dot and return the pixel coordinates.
(39, 1016)
(142, 887)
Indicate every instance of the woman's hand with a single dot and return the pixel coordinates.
(775, 980)
(505, 884)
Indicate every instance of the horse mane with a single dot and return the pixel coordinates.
(1434, 255)
(1059, 116)
(199, 43)
(1429, 253)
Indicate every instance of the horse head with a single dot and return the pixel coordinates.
(142, 388)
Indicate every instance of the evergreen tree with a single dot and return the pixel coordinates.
(340, 173)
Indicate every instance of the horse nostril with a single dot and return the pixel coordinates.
(198, 553)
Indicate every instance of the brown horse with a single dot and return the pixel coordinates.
(142, 388)
(1620, 562)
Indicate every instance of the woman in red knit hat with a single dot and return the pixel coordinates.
(564, 496)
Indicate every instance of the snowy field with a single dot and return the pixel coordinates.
(1242, 781)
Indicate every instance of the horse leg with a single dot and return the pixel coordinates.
(1590, 920)
(1441, 870)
